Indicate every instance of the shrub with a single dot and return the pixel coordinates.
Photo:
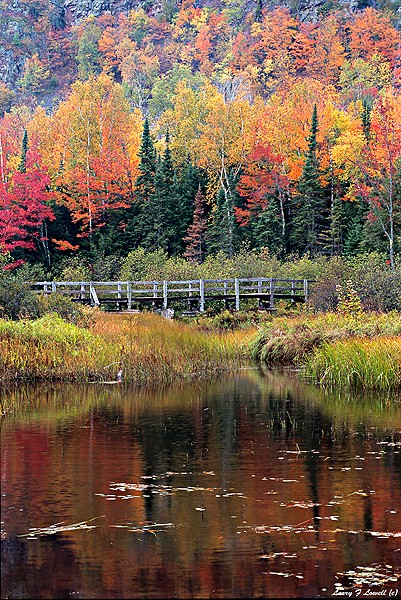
(16, 298)
(65, 308)
(378, 287)
(141, 265)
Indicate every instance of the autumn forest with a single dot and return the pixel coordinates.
(201, 131)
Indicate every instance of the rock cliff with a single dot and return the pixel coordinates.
(19, 39)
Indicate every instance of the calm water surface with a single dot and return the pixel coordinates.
(246, 486)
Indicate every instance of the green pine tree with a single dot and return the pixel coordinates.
(154, 213)
(144, 186)
(185, 191)
(258, 11)
(310, 204)
(24, 150)
(266, 228)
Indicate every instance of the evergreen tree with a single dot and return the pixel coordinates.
(366, 120)
(195, 238)
(223, 230)
(145, 182)
(258, 11)
(140, 213)
(355, 237)
(168, 169)
(184, 190)
(24, 150)
(309, 220)
(169, 197)
(155, 218)
(266, 228)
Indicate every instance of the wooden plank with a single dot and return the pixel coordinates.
(94, 295)
(129, 297)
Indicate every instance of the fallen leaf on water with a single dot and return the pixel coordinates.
(60, 528)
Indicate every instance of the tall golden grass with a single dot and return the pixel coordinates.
(358, 363)
(287, 340)
(148, 348)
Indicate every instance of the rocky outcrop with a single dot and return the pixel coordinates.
(75, 10)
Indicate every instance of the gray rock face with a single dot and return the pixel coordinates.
(75, 10)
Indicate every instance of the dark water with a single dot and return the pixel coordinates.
(246, 486)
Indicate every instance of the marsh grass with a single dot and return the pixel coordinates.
(289, 340)
(359, 363)
(149, 349)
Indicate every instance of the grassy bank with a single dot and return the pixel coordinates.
(333, 350)
(286, 340)
(149, 349)
(358, 363)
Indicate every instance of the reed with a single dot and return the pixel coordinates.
(358, 363)
(149, 349)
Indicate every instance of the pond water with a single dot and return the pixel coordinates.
(249, 485)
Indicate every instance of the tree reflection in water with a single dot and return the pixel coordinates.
(253, 485)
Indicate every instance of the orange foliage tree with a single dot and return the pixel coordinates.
(94, 150)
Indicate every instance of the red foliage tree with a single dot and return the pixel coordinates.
(24, 206)
(263, 176)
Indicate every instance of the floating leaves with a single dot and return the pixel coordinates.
(284, 528)
(300, 504)
(153, 528)
(59, 528)
(370, 576)
(286, 574)
(275, 554)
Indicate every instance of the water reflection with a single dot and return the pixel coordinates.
(245, 486)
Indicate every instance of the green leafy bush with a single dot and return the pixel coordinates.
(65, 308)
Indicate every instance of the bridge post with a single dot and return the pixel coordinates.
(292, 291)
(202, 295)
(271, 293)
(164, 294)
(259, 292)
(53, 286)
(306, 290)
(236, 294)
(129, 295)
(93, 294)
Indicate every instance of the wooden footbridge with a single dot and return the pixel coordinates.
(192, 294)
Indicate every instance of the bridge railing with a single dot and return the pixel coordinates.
(162, 292)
